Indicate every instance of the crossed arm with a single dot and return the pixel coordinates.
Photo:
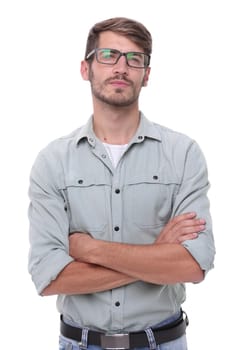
(103, 265)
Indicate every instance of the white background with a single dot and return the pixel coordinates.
(199, 85)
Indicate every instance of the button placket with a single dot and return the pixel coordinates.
(117, 308)
(116, 208)
(116, 205)
(100, 153)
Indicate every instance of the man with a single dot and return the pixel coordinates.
(119, 214)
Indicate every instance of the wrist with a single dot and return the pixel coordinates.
(94, 252)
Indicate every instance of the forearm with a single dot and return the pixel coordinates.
(156, 263)
(84, 278)
(164, 262)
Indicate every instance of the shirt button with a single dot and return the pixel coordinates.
(117, 303)
(140, 137)
(103, 156)
(80, 182)
(116, 228)
(155, 177)
(117, 190)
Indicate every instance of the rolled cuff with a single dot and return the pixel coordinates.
(202, 251)
(48, 269)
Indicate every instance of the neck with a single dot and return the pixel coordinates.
(115, 125)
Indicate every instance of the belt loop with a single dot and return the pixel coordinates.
(69, 346)
(84, 338)
(151, 338)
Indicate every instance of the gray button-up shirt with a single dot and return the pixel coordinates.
(74, 187)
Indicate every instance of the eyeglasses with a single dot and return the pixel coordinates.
(111, 57)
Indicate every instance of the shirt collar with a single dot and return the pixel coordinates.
(86, 132)
(146, 129)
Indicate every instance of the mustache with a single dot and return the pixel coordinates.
(119, 77)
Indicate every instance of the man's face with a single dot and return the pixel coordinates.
(117, 85)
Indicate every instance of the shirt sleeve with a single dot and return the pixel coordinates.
(192, 196)
(49, 224)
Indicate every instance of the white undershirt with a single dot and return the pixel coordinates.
(115, 152)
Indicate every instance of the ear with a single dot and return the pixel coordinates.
(146, 76)
(84, 70)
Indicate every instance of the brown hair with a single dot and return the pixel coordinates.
(132, 29)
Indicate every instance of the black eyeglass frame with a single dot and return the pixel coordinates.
(95, 51)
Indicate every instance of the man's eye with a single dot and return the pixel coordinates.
(131, 56)
(106, 54)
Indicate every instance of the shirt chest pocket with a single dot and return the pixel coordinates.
(151, 199)
(87, 200)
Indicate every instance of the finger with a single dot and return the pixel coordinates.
(185, 216)
(188, 229)
(179, 239)
(180, 218)
(189, 223)
(178, 233)
(189, 236)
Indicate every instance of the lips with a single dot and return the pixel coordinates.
(119, 83)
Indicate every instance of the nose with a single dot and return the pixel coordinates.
(121, 66)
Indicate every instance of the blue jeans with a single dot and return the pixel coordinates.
(178, 344)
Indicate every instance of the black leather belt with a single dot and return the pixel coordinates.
(162, 335)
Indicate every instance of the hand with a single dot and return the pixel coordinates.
(80, 244)
(181, 228)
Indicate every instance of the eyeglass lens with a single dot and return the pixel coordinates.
(111, 56)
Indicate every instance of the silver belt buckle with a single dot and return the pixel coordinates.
(115, 341)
